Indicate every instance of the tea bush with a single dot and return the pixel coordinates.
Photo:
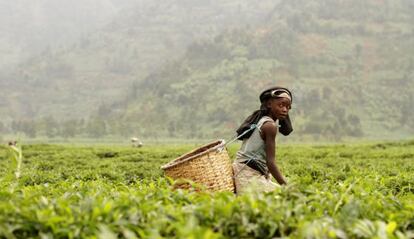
(334, 191)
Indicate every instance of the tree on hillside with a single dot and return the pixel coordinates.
(407, 112)
(28, 127)
(51, 127)
(96, 128)
(69, 128)
(3, 128)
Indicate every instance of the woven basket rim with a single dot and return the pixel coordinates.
(184, 158)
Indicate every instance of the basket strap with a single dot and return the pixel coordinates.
(237, 174)
(252, 127)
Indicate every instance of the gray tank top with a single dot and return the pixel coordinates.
(254, 147)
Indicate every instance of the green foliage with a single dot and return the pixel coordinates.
(336, 191)
(12, 165)
(327, 53)
(100, 65)
(195, 69)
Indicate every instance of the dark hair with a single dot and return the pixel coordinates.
(285, 124)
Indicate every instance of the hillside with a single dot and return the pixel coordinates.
(350, 65)
(30, 27)
(102, 65)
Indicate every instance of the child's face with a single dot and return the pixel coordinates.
(279, 107)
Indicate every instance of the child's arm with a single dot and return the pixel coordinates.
(269, 135)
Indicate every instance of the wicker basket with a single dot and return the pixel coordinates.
(208, 165)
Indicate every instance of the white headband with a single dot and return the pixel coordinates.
(284, 94)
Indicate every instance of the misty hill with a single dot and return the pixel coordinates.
(29, 27)
(101, 66)
(350, 65)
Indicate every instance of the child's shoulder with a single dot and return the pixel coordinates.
(265, 119)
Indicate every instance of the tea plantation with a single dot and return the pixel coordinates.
(334, 191)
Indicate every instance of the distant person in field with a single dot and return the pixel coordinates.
(256, 161)
(136, 142)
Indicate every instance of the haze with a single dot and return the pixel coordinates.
(161, 69)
